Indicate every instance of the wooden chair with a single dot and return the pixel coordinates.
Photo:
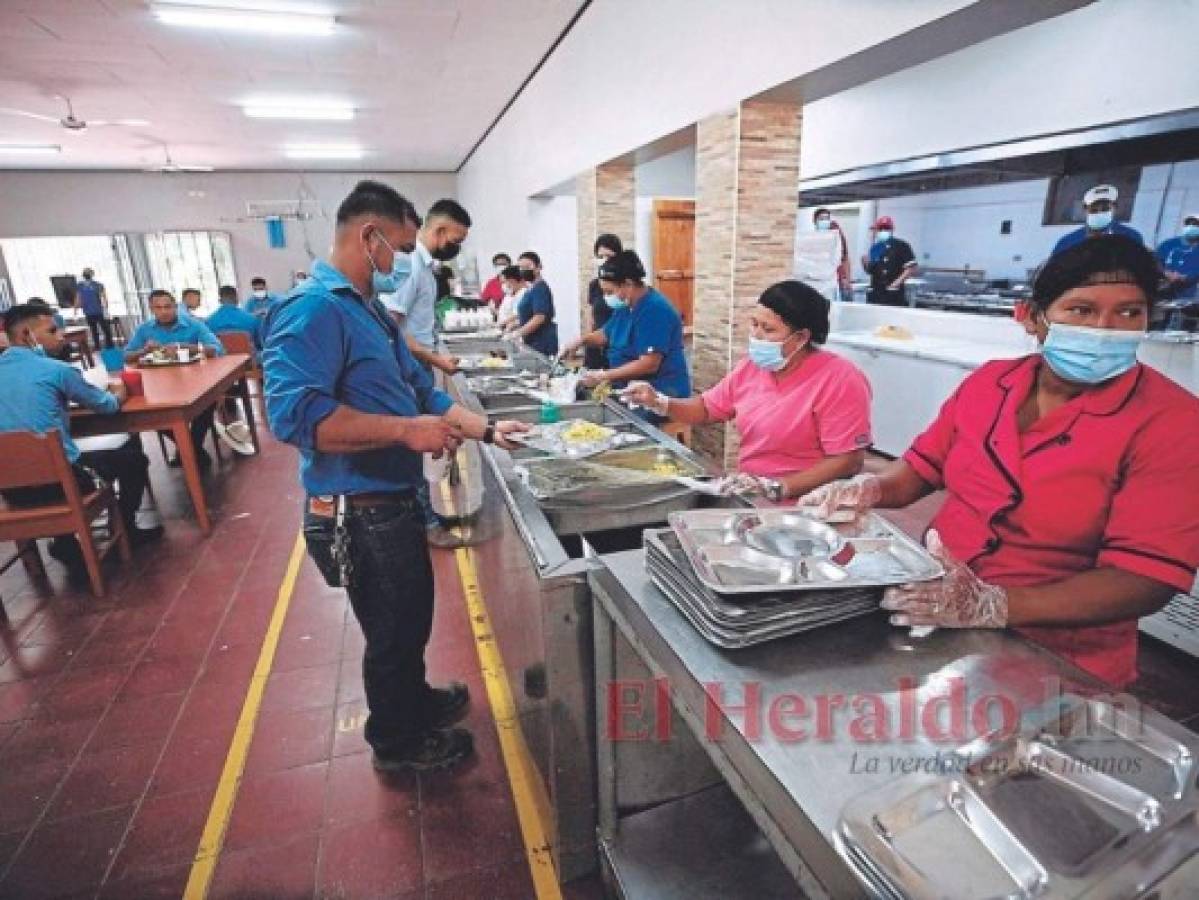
(240, 342)
(39, 459)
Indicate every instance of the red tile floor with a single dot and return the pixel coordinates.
(116, 717)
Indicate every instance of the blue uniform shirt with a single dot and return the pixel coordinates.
(37, 390)
(652, 326)
(88, 293)
(230, 318)
(416, 299)
(327, 347)
(186, 330)
(1181, 256)
(259, 308)
(1078, 235)
(538, 299)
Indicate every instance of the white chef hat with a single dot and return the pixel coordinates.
(1100, 192)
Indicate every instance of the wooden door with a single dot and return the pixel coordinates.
(674, 253)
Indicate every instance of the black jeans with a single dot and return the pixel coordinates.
(125, 467)
(199, 428)
(95, 323)
(884, 297)
(391, 593)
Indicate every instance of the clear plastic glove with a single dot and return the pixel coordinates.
(642, 393)
(860, 494)
(958, 600)
(740, 484)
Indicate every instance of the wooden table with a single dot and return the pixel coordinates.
(174, 396)
(81, 335)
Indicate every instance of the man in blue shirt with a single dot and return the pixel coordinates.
(643, 337)
(414, 305)
(91, 297)
(1179, 257)
(1100, 204)
(37, 389)
(535, 311)
(190, 302)
(343, 387)
(168, 329)
(260, 300)
(230, 317)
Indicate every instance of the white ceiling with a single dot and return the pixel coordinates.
(427, 78)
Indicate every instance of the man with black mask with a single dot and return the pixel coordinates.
(413, 306)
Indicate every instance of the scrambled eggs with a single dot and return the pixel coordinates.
(585, 433)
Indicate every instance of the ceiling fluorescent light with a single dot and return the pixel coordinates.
(324, 151)
(30, 148)
(305, 111)
(262, 21)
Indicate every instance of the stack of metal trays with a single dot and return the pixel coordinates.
(745, 619)
(1100, 803)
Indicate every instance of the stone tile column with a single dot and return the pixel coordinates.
(605, 198)
(746, 200)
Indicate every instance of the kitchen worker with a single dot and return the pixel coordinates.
(889, 262)
(414, 305)
(1100, 205)
(260, 299)
(513, 284)
(343, 387)
(91, 297)
(606, 246)
(493, 291)
(1179, 258)
(1070, 475)
(803, 413)
(643, 338)
(822, 220)
(535, 311)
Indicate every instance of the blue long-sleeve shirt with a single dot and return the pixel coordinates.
(1078, 235)
(185, 330)
(37, 390)
(231, 318)
(326, 346)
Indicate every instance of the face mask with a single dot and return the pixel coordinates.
(1090, 355)
(1099, 220)
(883, 236)
(614, 302)
(768, 355)
(384, 282)
(448, 252)
(823, 224)
(260, 295)
(1190, 232)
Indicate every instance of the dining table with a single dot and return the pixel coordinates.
(172, 397)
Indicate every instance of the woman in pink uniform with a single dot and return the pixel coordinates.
(1071, 475)
(803, 413)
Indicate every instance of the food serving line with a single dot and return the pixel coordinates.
(624, 600)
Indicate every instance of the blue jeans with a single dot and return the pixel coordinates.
(391, 592)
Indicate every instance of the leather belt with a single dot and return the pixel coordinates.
(389, 498)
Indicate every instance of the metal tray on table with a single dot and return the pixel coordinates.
(555, 440)
(750, 551)
(612, 478)
(482, 363)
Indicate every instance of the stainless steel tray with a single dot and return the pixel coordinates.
(477, 363)
(749, 551)
(551, 439)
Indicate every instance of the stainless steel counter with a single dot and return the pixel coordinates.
(793, 785)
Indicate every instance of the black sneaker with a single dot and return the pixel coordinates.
(139, 537)
(434, 752)
(446, 705)
(175, 462)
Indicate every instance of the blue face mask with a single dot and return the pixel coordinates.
(768, 355)
(883, 236)
(1090, 355)
(386, 282)
(1190, 232)
(1098, 221)
(823, 224)
(614, 302)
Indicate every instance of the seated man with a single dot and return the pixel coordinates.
(37, 390)
(169, 329)
(260, 300)
(231, 317)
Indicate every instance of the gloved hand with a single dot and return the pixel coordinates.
(958, 600)
(741, 483)
(860, 493)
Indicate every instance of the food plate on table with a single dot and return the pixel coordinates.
(157, 359)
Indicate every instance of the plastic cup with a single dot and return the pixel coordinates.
(132, 379)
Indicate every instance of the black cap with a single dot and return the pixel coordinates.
(624, 266)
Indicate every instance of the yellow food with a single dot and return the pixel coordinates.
(665, 467)
(492, 362)
(585, 433)
(601, 391)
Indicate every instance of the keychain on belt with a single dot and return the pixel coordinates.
(341, 542)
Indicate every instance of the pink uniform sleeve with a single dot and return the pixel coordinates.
(929, 451)
(720, 400)
(843, 414)
(1152, 525)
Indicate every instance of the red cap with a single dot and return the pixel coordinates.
(884, 222)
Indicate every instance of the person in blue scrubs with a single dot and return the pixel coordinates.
(1179, 258)
(92, 299)
(343, 387)
(37, 390)
(260, 299)
(168, 328)
(535, 311)
(231, 317)
(644, 336)
(1100, 204)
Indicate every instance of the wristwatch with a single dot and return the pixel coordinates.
(773, 489)
(489, 434)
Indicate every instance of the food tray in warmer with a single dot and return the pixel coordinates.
(751, 551)
(484, 362)
(613, 477)
(576, 438)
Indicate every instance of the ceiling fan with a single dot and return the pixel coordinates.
(170, 167)
(70, 121)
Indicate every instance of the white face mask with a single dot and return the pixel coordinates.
(260, 295)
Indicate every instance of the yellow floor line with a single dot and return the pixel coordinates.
(528, 792)
(209, 851)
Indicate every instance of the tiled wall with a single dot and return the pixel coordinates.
(605, 197)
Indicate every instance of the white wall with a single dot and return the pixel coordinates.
(612, 86)
(1112, 60)
(553, 235)
(38, 204)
